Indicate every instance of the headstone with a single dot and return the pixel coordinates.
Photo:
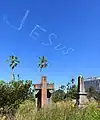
(81, 94)
(43, 95)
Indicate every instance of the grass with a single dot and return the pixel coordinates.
(59, 111)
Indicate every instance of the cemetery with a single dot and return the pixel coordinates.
(66, 86)
(23, 100)
(42, 107)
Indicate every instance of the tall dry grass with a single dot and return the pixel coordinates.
(59, 111)
(26, 111)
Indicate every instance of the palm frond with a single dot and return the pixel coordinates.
(42, 63)
(12, 57)
(17, 61)
(15, 64)
(40, 69)
(46, 60)
(43, 57)
(16, 58)
(40, 58)
(46, 65)
(13, 61)
(39, 65)
(13, 67)
(10, 65)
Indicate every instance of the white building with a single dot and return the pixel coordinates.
(92, 81)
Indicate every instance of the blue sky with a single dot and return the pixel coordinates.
(70, 23)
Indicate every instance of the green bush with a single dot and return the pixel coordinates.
(12, 94)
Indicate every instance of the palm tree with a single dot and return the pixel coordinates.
(18, 77)
(72, 80)
(43, 63)
(14, 61)
(73, 83)
(68, 87)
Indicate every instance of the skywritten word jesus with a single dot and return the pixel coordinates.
(33, 34)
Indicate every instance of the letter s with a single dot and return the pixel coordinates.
(50, 40)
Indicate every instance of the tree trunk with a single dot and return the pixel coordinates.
(12, 78)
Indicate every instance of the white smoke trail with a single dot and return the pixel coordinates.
(22, 21)
(35, 33)
(67, 51)
(50, 40)
(59, 48)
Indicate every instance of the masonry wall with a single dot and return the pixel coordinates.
(94, 83)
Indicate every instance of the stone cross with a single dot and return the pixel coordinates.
(43, 95)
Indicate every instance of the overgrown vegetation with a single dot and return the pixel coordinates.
(59, 111)
(17, 100)
(12, 94)
(65, 92)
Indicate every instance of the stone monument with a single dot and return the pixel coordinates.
(81, 94)
(44, 93)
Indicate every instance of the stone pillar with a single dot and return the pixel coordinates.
(36, 101)
(36, 98)
(44, 92)
(51, 91)
(81, 94)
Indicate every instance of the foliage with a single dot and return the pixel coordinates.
(93, 93)
(2, 82)
(12, 94)
(71, 90)
(43, 63)
(58, 111)
(58, 95)
(71, 94)
(13, 60)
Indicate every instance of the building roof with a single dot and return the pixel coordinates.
(92, 78)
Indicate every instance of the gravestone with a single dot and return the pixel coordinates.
(44, 93)
(81, 94)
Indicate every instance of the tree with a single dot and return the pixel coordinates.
(43, 63)
(68, 86)
(91, 92)
(72, 80)
(98, 97)
(2, 82)
(14, 93)
(58, 95)
(62, 87)
(13, 61)
(71, 90)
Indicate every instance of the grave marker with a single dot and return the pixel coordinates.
(43, 95)
(81, 94)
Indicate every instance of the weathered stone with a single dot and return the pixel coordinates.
(81, 94)
(43, 96)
